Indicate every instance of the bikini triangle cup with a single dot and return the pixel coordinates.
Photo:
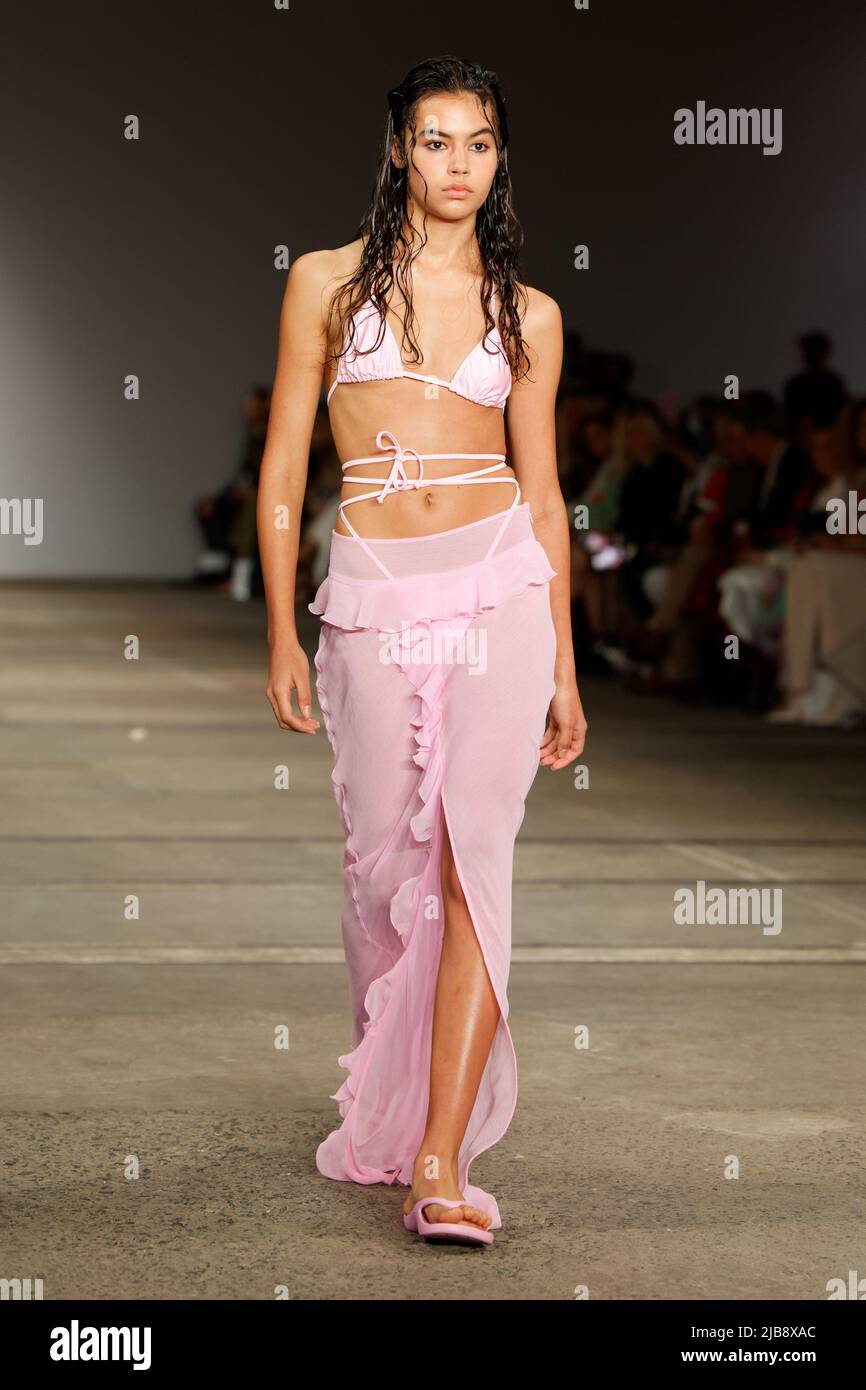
(482, 377)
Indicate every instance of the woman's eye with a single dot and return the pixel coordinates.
(436, 145)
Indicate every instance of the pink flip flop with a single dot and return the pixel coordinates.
(459, 1231)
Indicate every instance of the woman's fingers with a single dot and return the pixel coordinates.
(302, 684)
(549, 736)
(289, 671)
(562, 744)
(549, 744)
(281, 703)
(281, 712)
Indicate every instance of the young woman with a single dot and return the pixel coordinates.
(445, 669)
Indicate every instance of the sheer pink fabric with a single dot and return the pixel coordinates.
(434, 686)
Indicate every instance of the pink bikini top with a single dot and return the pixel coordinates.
(483, 377)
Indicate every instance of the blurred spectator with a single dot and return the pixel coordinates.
(816, 394)
(787, 478)
(607, 470)
(591, 542)
(823, 667)
(697, 423)
(648, 500)
(714, 500)
(752, 588)
(227, 519)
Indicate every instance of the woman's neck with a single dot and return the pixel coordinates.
(443, 247)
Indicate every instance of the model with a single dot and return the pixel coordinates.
(445, 670)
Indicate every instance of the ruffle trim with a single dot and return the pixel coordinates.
(407, 902)
(386, 605)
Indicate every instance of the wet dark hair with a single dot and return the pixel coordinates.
(387, 254)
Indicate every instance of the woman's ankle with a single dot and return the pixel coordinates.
(434, 1164)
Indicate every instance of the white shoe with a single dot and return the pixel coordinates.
(843, 712)
(242, 573)
(212, 562)
(818, 698)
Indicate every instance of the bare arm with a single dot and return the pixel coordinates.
(532, 444)
(283, 481)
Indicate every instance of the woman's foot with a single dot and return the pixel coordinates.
(443, 1186)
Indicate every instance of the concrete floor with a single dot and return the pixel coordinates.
(153, 1039)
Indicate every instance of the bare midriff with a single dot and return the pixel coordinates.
(427, 419)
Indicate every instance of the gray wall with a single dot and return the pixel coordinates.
(261, 127)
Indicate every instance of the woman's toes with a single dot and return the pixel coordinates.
(470, 1215)
(453, 1214)
(479, 1217)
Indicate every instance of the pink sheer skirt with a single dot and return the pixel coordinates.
(434, 683)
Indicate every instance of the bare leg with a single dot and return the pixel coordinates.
(465, 1018)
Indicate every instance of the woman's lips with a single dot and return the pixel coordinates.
(457, 192)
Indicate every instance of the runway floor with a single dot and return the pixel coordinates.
(156, 1143)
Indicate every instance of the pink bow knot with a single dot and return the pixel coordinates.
(398, 480)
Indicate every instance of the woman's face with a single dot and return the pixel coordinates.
(455, 155)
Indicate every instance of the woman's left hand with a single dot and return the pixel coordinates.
(566, 729)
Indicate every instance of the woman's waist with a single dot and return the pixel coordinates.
(396, 507)
(453, 479)
(456, 544)
(426, 466)
(386, 582)
(399, 470)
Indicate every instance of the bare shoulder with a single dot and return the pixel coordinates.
(542, 316)
(315, 276)
(542, 333)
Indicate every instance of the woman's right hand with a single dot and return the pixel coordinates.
(289, 670)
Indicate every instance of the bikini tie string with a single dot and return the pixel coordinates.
(398, 480)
